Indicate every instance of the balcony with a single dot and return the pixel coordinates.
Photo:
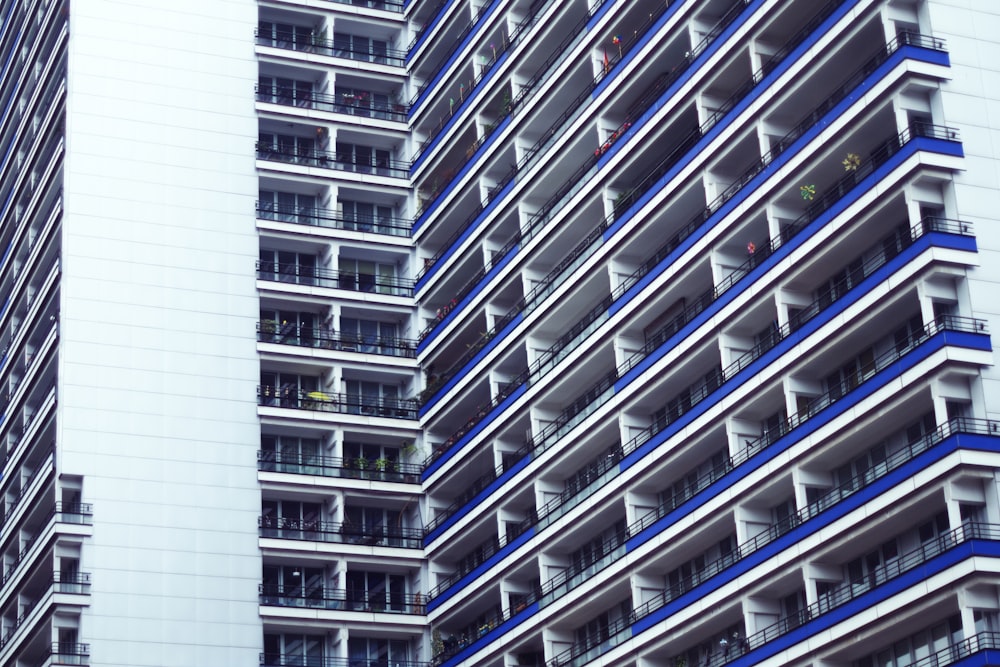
(317, 217)
(298, 274)
(269, 331)
(78, 513)
(311, 157)
(66, 653)
(313, 44)
(383, 470)
(283, 660)
(340, 533)
(319, 597)
(851, 590)
(348, 404)
(72, 583)
(341, 104)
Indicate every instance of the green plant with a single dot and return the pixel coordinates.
(437, 642)
(361, 463)
(381, 464)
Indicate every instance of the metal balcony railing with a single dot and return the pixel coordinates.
(824, 502)
(286, 660)
(320, 597)
(81, 513)
(685, 143)
(611, 550)
(270, 331)
(385, 470)
(317, 217)
(328, 47)
(76, 583)
(342, 104)
(854, 589)
(467, 563)
(67, 653)
(983, 641)
(298, 274)
(618, 632)
(312, 157)
(350, 404)
(340, 533)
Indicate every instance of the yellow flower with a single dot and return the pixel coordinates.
(808, 192)
(851, 162)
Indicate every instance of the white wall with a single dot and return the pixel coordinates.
(970, 101)
(158, 371)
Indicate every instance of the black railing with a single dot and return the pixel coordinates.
(270, 331)
(340, 533)
(824, 502)
(486, 68)
(876, 257)
(983, 641)
(326, 47)
(682, 146)
(68, 653)
(455, 43)
(823, 203)
(385, 470)
(854, 589)
(76, 583)
(511, 106)
(467, 563)
(81, 513)
(308, 215)
(565, 579)
(285, 660)
(617, 632)
(469, 285)
(312, 157)
(351, 105)
(299, 274)
(320, 597)
(351, 404)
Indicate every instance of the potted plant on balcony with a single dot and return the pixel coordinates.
(267, 330)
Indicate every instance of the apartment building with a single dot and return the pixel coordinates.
(361, 333)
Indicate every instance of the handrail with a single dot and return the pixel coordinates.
(324, 597)
(389, 470)
(322, 401)
(955, 425)
(485, 69)
(326, 102)
(853, 589)
(329, 160)
(574, 182)
(344, 533)
(286, 660)
(309, 215)
(348, 280)
(270, 331)
(878, 156)
(329, 47)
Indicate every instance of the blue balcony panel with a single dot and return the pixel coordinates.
(476, 430)
(905, 152)
(502, 553)
(903, 52)
(464, 104)
(432, 85)
(450, 384)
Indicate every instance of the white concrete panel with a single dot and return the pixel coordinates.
(158, 366)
